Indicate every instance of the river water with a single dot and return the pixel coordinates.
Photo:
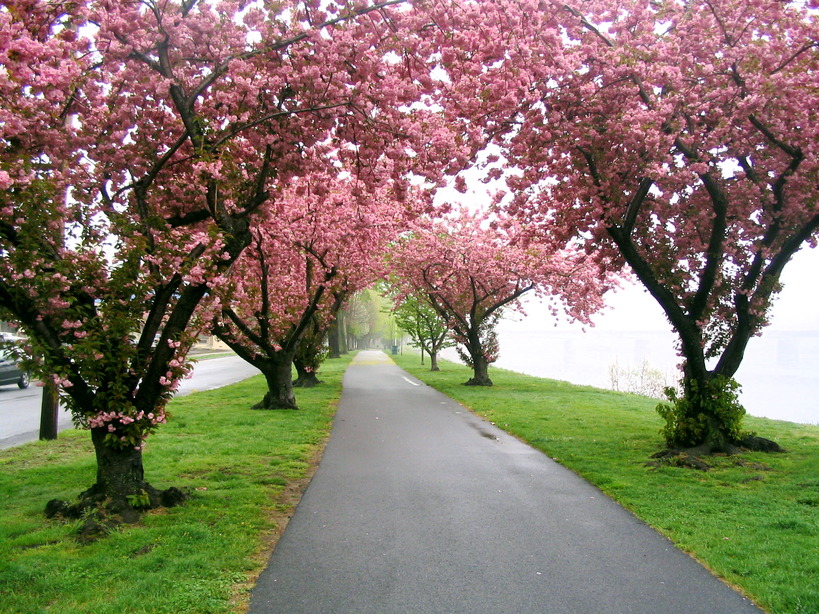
(779, 374)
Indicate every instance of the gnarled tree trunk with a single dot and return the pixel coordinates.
(278, 375)
(480, 371)
(305, 377)
(119, 494)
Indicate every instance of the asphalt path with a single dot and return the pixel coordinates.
(420, 506)
(20, 409)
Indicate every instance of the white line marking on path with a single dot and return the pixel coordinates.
(410, 381)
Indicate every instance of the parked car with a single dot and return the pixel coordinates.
(10, 372)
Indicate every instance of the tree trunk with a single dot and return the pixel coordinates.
(278, 374)
(480, 369)
(433, 361)
(305, 378)
(696, 421)
(343, 346)
(332, 340)
(49, 411)
(120, 493)
(119, 470)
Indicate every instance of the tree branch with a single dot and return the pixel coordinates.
(635, 203)
(714, 250)
(793, 152)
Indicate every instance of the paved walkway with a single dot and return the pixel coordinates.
(419, 506)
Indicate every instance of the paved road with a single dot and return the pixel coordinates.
(419, 506)
(20, 409)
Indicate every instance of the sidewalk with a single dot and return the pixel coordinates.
(419, 506)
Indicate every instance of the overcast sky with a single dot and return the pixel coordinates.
(632, 308)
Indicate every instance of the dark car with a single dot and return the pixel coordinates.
(10, 372)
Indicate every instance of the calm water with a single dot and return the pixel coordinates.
(779, 375)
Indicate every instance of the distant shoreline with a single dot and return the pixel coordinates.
(779, 375)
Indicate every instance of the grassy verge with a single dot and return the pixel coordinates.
(752, 519)
(244, 470)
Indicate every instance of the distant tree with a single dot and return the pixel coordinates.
(425, 326)
(365, 317)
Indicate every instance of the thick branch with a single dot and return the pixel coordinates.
(685, 326)
(634, 205)
(150, 389)
(714, 253)
(793, 152)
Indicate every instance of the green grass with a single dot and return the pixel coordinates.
(752, 519)
(243, 469)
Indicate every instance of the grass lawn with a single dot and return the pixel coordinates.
(752, 519)
(244, 470)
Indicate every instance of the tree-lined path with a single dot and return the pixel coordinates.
(420, 506)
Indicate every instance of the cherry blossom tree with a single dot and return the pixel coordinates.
(677, 137)
(323, 243)
(142, 142)
(685, 143)
(469, 268)
(274, 299)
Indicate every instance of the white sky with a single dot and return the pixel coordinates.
(633, 308)
(796, 308)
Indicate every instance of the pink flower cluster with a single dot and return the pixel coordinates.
(115, 420)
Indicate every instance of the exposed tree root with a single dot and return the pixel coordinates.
(478, 382)
(102, 512)
(309, 381)
(759, 444)
(694, 458)
(678, 458)
(271, 401)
